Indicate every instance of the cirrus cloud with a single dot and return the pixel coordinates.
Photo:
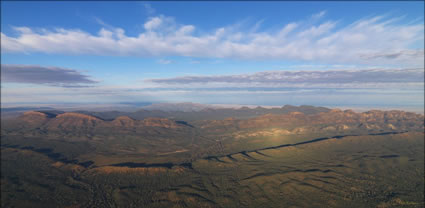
(374, 40)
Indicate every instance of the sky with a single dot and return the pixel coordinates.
(359, 54)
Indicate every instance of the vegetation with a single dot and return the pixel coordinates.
(321, 159)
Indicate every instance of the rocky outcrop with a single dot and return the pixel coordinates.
(73, 121)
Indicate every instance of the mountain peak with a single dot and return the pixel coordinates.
(34, 113)
(123, 121)
(77, 115)
(71, 121)
(34, 117)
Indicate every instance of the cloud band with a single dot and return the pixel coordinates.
(34, 74)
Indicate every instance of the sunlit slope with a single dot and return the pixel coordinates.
(273, 130)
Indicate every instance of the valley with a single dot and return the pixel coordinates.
(316, 158)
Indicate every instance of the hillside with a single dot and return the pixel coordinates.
(209, 162)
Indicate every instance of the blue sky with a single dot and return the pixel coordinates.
(258, 53)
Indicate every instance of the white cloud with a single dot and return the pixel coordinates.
(187, 29)
(101, 22)
(375, 40)
(23, 30)
(318, 15)
(153, 23)
(317, 31)
(164, 61)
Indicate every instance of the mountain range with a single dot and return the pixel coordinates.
(211, 157)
